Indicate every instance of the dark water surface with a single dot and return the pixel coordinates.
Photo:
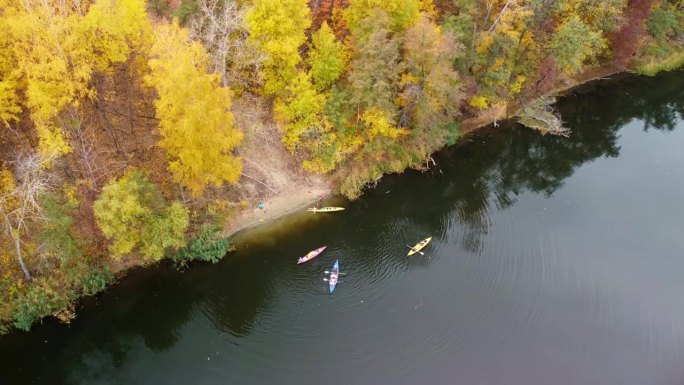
(553, 261)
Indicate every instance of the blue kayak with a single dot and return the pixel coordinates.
(334, 273)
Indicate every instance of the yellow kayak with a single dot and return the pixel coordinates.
(324, 209)
(419, 246)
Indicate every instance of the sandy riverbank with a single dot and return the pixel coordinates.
(276, 206)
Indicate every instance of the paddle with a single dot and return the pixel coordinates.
(327, 272)
(414, 250)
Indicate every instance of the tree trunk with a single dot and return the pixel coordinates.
(17, 245)
(100, 106)
(498, 17)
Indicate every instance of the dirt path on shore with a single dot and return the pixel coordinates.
(293, 199)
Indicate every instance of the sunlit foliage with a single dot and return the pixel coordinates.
(327, 57)
(133, 214)
(402, 14)
(574, 43)
(431, 93)
(195, 120)
(113, 31)
(277, 28)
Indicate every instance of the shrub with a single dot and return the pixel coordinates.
(38, 300)
(653, 66)
(55, 232)
(479, 102)
(452, 130)
(96, 281)
(663, 22)
(207, 246)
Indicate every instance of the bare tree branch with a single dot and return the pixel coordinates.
(499, 16)
(220, 27)
(21, 204)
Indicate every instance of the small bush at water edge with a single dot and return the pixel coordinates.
(207, 246)
(41, 299)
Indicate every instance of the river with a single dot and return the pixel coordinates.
(553, 261)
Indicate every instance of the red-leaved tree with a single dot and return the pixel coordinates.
(625, 40)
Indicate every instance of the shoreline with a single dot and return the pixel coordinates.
(278, 206)
(297, 194)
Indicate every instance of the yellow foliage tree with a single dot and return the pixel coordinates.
(8, 204)
(50, 50)
(113, 31)
(432, 91)
(378, 124)
(277, 28)
(479, 102)
(134, 215)
(50, 65)
(428, 8)
(402, 13)
(327, 57)
(9, 82)
(9, 102)
(602, 15)
(301, 111)
(195, 120)
(7, 186)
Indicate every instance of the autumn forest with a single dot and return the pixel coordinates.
(131, 131)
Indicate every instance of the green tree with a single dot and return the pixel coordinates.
(277, 28)
(206, 246)
(574, 43)
(599, 16)
(505, 50)
(432, 88)
(195, 120)
(133, 214)
(663, 22)
(463, 27)
(402, 14)
(375, 68)
(55, 232)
